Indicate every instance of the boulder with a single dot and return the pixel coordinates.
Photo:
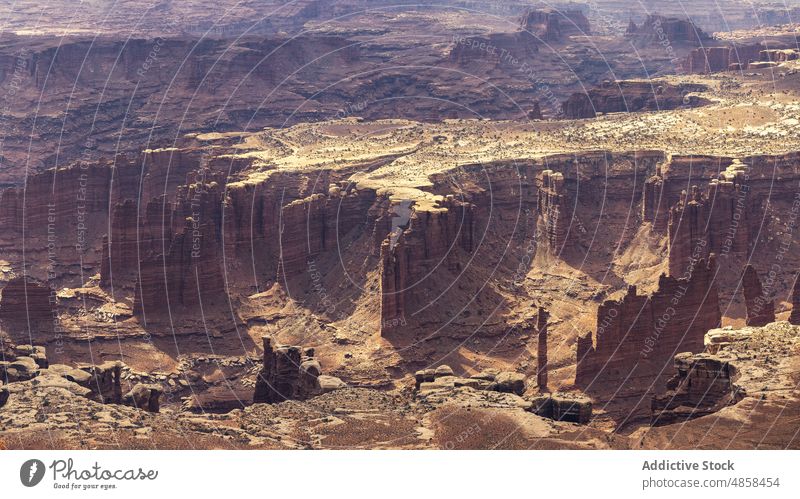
(20, 369)
(486, 375)
(3, 396)
(423, 376)
(443, 370)
(510, 382)
(563, 407)
(71, 374)
(330, 383)
(144, 397)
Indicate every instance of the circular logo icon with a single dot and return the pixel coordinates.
(31, 472)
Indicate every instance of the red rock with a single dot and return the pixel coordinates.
(541, 357)
(28, 310)
(554, 208)
(494, 48)
(631, 96)
(411, 257)
(637, 336)
(658, 29)
(760, 308)
(288, 373)
(554, 25)
(703, 385)
(794, 317)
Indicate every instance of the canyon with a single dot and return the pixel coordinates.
(322, 234)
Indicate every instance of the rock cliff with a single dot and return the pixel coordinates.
(638, 335)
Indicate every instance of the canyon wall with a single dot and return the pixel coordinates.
(760, 307)
(658, 29)
(27, 311)
(637, 336)
(437, 236)
(631, 96)
(737, 56)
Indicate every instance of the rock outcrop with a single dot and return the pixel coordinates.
(637, 336)
(760, 306)
(555, 25)
(794, 316)
(714, 221)
(737, 56)
(28, 310)
(541, 357)
(703, 385)
(632, 96)
(145, 397)
(663, 30)
(290, 373)
(563, 407)
(555, 209)
(443, 378)
(411, 259)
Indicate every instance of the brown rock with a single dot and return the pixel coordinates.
(27, 310)
(286, 375)
(703, 385)
(145, 397)
(794, 317)
(541, 358)
(637, 336)
(760, 308)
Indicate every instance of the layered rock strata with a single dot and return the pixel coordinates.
(666, 30)
(632, 96)
(637, 336)
(432, 242)
(290, 373)
(760, 306)
(28, 310)
(703, 385)
(794, 316)
(541, 357)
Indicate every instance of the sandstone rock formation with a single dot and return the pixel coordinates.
(27, 310)
(563, 407)
(760, 306)
(554, 25)
(289, 373)
(443, 378)
(737, 56)
(541, 357)
(794, 317)
(144, 397)
(658, 29)
(715, 221)
(740, 375)
(554, 208)
(429, 246)
(637, 336)
(703, 385)
(632, 96)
